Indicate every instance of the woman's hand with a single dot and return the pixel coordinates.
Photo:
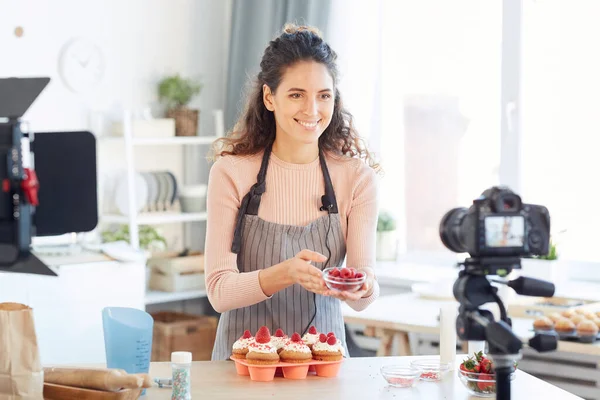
(365, 291)
(300, 271)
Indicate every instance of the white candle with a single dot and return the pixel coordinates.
(448, 315)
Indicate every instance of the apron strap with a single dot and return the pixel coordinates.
(329, 201)
(251, 201)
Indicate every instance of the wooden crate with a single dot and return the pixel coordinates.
(169, 273)
(175, 331)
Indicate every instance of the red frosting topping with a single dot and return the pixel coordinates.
(296, 337)
(263, 335)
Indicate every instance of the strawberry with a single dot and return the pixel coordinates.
(485, 365)
(322, 338)
(487, 386)
(331, 340)
(279, 333)
(334, 272)
(345, 273)
(296, 337)
(247, 334)
(469, 365)
(359, 275)
(330, 334)
(312, 330)
(263, 335)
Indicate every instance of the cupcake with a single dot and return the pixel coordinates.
(240, 346)
(543, 324)
(589, 315)
(568, 313)
(596, 321)
(565, 326)
(279, 340)
(598, 314)
(577, 319)
(311, 337)
(327, 349)
(580, 311)
(555, 317)
(295, 351)
(262, 350)
(587, 329)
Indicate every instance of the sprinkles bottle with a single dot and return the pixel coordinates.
(181, 363)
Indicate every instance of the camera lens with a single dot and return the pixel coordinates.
(450, 230)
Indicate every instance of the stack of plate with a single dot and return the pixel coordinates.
(154, 191)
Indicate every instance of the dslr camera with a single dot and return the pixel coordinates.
(498, 224)
(496, 231)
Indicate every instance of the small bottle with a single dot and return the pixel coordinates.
(181, 364)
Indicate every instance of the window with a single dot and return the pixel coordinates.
(560, 124)
(441, 98)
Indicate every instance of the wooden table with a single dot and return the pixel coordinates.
(394, 317)
(359, 378)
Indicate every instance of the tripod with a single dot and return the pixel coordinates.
(472, 289)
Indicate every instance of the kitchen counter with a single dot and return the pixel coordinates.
(359, 378)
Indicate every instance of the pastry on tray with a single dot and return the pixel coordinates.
(565, 326)
(578, 318)
(568, 313)
(311, 337)
(240, 346)
(328, 348)
(279, 340)
(543, 324)
(555, 317)
(587, 328)
(262, 351)
(295, 351)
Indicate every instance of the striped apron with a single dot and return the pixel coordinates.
(261, 244)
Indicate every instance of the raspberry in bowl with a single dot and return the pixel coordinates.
(343, 279)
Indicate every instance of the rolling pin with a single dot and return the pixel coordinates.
(111, 380)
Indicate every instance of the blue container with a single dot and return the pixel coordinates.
(127, 338)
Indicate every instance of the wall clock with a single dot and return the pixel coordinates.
(81, 65)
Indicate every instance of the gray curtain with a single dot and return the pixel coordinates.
(253, 24)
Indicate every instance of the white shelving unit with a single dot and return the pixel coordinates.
(156, 297)
(135, 219)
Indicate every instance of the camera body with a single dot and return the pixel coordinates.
(498, 224)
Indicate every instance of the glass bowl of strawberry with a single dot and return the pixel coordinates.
(477, 375)
(400, 376)
(343, 279)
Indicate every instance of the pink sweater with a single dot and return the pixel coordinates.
(293, 197)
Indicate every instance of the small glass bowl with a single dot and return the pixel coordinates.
(431, 369)
(399, 376)
(480, 384)
(341, 284)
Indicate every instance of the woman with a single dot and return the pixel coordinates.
(289, 194)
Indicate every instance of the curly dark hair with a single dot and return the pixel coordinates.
(255, 130)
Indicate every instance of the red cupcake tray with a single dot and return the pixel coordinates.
(266, 373)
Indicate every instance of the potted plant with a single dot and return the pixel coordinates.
(176, 93)
(387, 238)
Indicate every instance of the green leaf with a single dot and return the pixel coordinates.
(175, 91)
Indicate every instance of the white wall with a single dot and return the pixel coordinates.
(142, 40)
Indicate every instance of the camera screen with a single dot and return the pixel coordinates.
(505, 231)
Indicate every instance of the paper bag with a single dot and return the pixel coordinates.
(21, 374)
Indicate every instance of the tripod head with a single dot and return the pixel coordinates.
(473, 289)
